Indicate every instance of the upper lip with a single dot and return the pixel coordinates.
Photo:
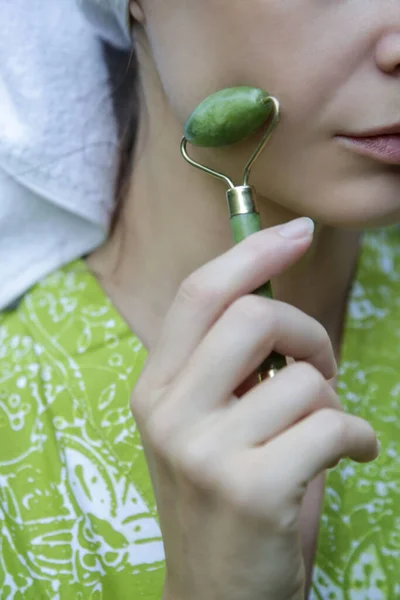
(377, 132)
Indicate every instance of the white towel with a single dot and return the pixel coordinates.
(58, 138)
(111, 19)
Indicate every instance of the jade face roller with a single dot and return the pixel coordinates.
(227, 117)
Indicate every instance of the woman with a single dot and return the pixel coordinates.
(238, 484)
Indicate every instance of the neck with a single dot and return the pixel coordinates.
(171, 226)
(175, 219)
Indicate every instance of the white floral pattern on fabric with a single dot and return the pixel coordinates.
(359, 545)
(77, 513)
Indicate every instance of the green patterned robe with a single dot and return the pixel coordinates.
(77, 512)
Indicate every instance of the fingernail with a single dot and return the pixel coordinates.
(296, 229)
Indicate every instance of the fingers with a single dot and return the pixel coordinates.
(206, 293)
(270, 481)
(270, 408)
(317, 443)
(245, 334)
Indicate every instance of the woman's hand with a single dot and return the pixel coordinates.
(230, 474)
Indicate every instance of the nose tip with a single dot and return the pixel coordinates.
(388, 53)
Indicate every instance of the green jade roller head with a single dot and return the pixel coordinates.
(227, 117)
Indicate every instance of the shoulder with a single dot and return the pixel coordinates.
(69, 314)
(66, 348)
(72, 468)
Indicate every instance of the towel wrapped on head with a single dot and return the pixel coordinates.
(58, 134)
(110, 18)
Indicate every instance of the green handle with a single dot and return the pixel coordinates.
(242, 226)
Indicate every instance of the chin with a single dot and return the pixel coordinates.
(357, 215)
(366, 203)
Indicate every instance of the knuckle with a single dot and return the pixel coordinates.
(252, 308)
(160, 431)
(196, 460)
(196, 290)
(332, 424)
(309, 376)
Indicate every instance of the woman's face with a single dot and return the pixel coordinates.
(334, 65)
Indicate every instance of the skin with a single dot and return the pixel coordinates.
(335, 68)
(303, 171)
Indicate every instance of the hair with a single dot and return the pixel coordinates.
(123, 75)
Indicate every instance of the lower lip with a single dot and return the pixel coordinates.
(385, 148)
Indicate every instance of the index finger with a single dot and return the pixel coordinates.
(206, 293)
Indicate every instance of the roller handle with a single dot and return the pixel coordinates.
(243, 225)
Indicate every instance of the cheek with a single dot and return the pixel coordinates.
(189, 53)
(279, 45)
(302, 51)
(200, 47)
(327, 184)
